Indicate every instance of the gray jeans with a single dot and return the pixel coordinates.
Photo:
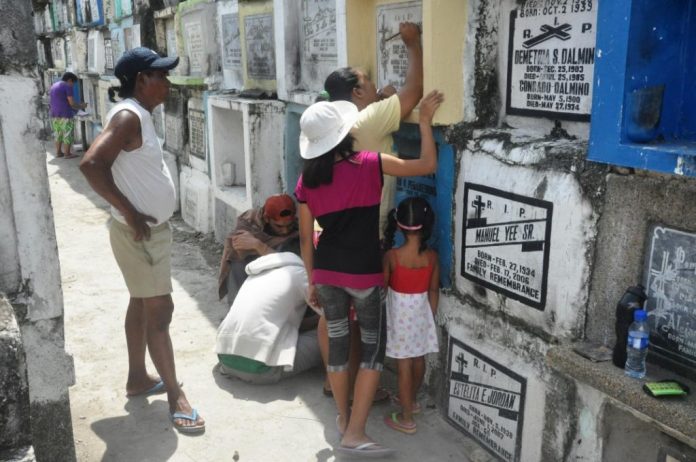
(336, 302)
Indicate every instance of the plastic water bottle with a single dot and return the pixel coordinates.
(637, 347)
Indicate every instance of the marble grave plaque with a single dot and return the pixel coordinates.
(260, 52)
(392, 59)
(231, 42)
(318, 30)
(194, 46)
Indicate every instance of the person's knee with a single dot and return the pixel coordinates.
(159, 313)
(339, 344)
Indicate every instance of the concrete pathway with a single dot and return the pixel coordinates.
(290, 421)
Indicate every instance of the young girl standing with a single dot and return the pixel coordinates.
(341, 188)
(412, 275)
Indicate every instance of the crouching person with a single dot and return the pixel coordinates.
(269, 332)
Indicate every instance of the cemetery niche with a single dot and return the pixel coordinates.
(645, 93)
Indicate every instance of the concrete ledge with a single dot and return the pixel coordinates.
(674, 416)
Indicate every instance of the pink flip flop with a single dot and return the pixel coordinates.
(416, 406)
(392, 421)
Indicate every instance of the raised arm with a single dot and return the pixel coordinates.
(412, 91)
(122, 133)
(427, 163)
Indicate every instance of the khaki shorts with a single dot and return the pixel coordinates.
(145, 265)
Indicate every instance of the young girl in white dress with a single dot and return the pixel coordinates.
(412, 275)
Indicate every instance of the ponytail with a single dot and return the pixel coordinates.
(390, 230)
(126, 90)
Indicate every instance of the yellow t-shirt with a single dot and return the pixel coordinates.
(372, 132)
(375, 124)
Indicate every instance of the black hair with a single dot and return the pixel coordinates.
(126, 90)
(69, 76)
(319, 171)
(340, 83)
(412, 211)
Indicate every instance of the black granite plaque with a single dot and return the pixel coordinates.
(670, 281)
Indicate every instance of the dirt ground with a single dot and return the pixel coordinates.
(290, 421)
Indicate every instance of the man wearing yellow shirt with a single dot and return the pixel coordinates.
(381, 111)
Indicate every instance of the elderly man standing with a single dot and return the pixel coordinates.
(271, 228)
(125, 166)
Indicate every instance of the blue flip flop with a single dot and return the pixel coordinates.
(154, 390)
(193, 417)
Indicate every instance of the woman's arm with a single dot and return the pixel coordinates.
(427, 163)
(434, 290)
(306, 225)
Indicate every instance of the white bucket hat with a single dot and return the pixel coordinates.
(323, 125)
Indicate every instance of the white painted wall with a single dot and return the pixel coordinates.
(23, 158)
(573, 226)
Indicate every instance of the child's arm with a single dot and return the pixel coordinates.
(386, 267)
(306, 225)
(434, 290)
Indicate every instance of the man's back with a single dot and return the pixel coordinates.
(59, 92)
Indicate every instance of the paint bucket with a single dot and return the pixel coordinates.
(643, 111)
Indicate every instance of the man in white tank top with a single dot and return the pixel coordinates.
(125, 166)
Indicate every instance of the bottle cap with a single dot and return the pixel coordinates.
(640, 315)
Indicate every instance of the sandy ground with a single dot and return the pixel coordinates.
(290, 421)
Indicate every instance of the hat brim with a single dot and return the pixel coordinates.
(164, 64)
(317, 148)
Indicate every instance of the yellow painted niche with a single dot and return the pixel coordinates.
(444, 32)
(251, 8)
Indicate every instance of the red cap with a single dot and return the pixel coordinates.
(279, 207)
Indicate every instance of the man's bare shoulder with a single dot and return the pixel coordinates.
(125, 119)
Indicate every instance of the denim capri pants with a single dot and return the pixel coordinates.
(371, 312)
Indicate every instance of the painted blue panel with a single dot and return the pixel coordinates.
(644, 104)
(77, 92)
(438, 189)
(90, 12)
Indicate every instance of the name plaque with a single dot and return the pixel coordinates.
(551, 59)
(260, 52)
(392, 58)
(670, 281)
(506, 243)
(231, 43)
(319, 30)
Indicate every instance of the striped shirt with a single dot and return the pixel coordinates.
(348, 253)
